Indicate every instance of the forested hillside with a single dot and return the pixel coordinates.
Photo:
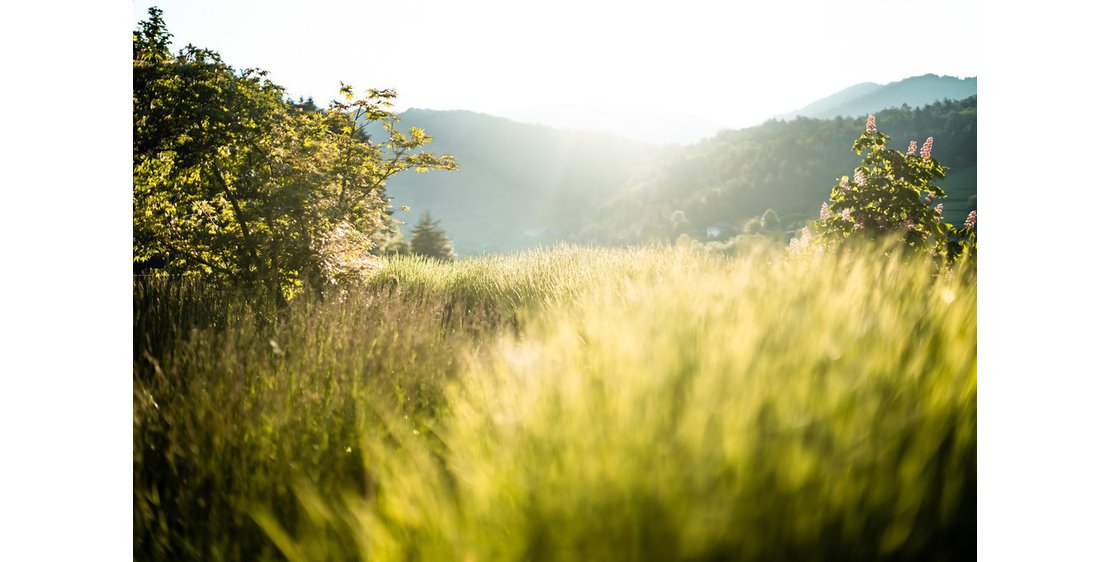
(517, 186)
(788, 166)
(523, 186)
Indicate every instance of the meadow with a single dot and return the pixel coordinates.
(650, 403)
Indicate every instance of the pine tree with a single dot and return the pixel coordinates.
(428, 239)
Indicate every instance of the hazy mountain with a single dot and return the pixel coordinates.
(518, 186)
(640, 124)
(522, 186)
(835, 101)
(869, 97)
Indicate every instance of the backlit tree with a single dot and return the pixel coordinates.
(234, 182)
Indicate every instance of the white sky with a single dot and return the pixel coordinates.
(732, 63)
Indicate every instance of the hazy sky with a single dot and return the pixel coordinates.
(732, 63)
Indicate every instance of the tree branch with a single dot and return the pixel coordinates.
(248, 241)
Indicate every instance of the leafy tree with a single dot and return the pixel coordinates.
(891, 193)
(428, 239)
(233, 181)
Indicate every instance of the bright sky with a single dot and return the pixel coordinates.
(731, 63)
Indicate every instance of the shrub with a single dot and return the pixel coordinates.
(891, 194)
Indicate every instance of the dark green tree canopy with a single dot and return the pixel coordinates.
(428, 239)
(233, 181)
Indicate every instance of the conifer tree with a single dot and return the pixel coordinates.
(428, 239)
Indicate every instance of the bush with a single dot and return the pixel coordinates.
(235, 183)
(891, 194)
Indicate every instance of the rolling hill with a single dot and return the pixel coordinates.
(869, 97)
(518, 186)
(523, 186)
(788, 166)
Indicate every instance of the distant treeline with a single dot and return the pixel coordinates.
(788, 166)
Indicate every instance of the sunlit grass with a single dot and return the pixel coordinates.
(573, 404)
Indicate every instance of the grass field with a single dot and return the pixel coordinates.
(566, 404)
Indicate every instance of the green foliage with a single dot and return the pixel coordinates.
(234, 182)
(892, 194)
(429, 240)
(510, 408)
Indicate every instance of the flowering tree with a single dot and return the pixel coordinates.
(891, 193)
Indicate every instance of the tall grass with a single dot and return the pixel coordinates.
(237, 402)
(648, 404)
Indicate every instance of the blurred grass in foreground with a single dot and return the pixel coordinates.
(572, 404)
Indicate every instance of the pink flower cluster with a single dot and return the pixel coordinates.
(861, 179)
(846, 214)
(940, 208)
(912, 148)
(871, 124)
(844, 183)
(798, 244)
(824, 211)
(970, 222)
(927, 148)
(928, 197)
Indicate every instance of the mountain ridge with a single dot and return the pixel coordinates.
(518, 185)
(869, 97)
(524, 185)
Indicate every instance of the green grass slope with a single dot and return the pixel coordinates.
(569, 404)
